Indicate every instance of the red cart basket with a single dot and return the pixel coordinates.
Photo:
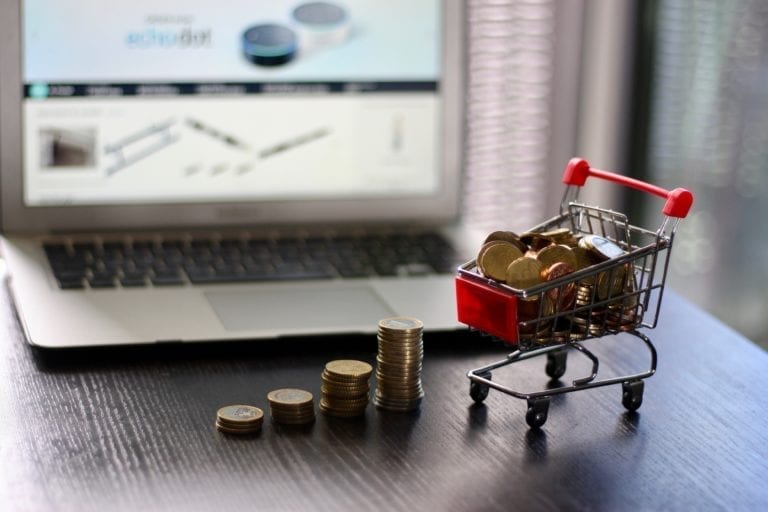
(621, 294)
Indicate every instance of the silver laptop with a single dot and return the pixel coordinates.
(229, 170)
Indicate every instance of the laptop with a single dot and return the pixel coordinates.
(183, 172)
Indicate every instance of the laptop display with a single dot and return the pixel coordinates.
(140, 102)
(184, 114)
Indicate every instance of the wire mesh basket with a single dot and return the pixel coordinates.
(620, 294)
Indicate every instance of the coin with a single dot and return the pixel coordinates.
(289, 397)
(481, 254)
(402, 323)
(507, 236)
(348, 368)
(291, 406)
(601, 247)
(523, 273)
(239, 414)
(497, 257)
(535, 240)
(239, 419)
(237, 431)
(563, 296)
(560, 236)
(552, 254)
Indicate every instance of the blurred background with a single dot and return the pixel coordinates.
(674, 92)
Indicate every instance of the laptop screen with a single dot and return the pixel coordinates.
(196, 101)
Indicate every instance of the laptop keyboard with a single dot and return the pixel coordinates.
(136, 263)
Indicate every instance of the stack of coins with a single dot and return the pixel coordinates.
(345, 388)
(622, 314)
(291, 406)
(398, 369)
(239, 419)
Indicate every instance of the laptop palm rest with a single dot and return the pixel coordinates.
(280, 308)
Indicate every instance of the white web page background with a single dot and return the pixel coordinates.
(142, 40)
(322, 131)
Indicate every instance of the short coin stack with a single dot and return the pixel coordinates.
(291, 406)
(345, 388)
(398, 369)
(239, 419)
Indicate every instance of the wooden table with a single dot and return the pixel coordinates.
(133, 429)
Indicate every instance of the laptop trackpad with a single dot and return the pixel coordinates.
(298, 307)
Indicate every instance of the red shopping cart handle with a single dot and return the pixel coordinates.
(678, 203)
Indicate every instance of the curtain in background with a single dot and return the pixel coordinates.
(510, 88)
(708, 131)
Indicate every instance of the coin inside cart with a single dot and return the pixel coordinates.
(601, 247)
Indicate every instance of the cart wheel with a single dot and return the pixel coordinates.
(556, 363)
(538, 409)
(478, 390)
(632, 394)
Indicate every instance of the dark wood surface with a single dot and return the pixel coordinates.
(132, 429)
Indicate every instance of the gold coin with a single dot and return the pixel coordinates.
(237, 431)
(340, 384)
(344, 390)
(348, 412)
(584, 258)
(523, 273)
(506, 236)
(534, 240)
(481, 254)
(553, 254)
(289, 397)
(239, 414)
(560, 236)
(610, 283)
(349, 368)
(295, 421)
(497, 257)
(343, 383)
(344, 403)
(253, 426)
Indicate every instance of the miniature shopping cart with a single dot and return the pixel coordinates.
(618, 295)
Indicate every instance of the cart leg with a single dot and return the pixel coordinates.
(556, 363)
(538, 409)
(632, 394)
(479, 390)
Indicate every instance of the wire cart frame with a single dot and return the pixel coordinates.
(619, 295)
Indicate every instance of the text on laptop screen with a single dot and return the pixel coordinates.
(201, 101)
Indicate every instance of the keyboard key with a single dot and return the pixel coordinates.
(70, 283)
(102, 280)
(133, 280)
(167, 277)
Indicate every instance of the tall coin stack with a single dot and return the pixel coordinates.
(345, 388)
(399, 360)
(291, 406)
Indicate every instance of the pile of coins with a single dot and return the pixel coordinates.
(573, 310)
(239, 419)
(345, 388)
(399, 363)
(291, 406)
